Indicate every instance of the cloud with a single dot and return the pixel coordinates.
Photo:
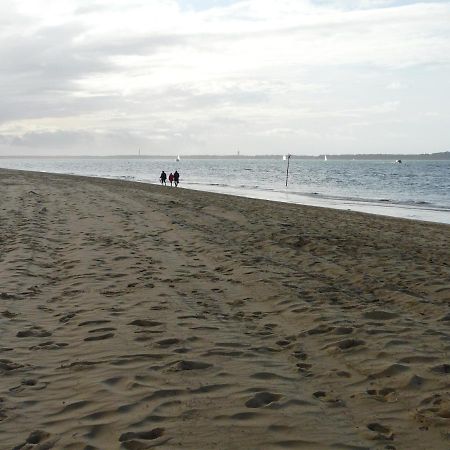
(188, 72)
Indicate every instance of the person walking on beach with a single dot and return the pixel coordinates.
(176, 177)
(171, 178)
(163, 177)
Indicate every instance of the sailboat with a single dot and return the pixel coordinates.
(178, 158)
(325, 158)
(284, 158)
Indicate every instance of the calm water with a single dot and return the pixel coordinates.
(415, 189)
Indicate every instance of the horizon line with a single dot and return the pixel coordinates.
(240, 156)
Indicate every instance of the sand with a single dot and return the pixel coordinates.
(135, 316)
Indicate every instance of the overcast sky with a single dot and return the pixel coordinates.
(186, 77)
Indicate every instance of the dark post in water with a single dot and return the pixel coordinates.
(288, 157)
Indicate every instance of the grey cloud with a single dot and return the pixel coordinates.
(56, 139)
(131, 45)
(104, 142)
(39, 74)
(185, 98)
(49, 54)
(53, 104)
(79, 140)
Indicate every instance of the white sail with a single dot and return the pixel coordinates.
(284, 157)
(325, 158)
(178, 158)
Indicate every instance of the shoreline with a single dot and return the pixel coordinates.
(371, 207)
(136, 316)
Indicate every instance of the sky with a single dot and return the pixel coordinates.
(106, 77)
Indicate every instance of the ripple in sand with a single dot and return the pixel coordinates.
(191, 365)
(346, 344)
(168, 342)
(145, 323)
(269, 376)
(380, 315)
(294, 443)
(145, 435)
(75, 406)
(320, 329)
(49, 345)
(417, 359)
(101, 337)
(93, 322)
(390, 371)
(210, 388)
(442, 369)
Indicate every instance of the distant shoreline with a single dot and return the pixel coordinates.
(441, 156)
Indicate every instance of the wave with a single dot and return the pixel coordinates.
(247, 190)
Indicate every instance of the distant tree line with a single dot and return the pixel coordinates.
(370, 156)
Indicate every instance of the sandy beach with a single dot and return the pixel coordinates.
(135, 316)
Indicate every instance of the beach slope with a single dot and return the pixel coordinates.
(135, 316)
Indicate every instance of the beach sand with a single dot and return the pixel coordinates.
(136, 316)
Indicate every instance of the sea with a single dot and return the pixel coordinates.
(418, 190)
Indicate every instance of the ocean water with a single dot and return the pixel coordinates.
(417, 190)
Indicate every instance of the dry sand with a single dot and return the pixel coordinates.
(136, 316)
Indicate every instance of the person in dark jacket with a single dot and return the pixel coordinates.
(163, 177)
(176, 177)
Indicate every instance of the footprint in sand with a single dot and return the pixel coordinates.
(283, 343)
(382, 432)
(300, 354)
(435, 409)
(36, 437)
(33, 332)
(262, 399)
(386, 394)
(328, 399)
(142, 435)
(304, 369)
(8, 314)
(7, 365)
(29, 383)
(66, 317)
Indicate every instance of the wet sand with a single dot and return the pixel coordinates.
(135, 316)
